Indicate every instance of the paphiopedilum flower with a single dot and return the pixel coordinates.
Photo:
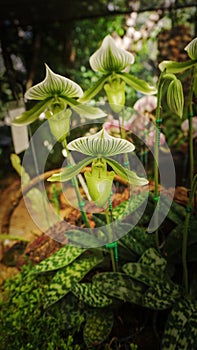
(54, 94)
(99, 148)
(111, 62)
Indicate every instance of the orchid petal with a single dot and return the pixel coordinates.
(53, 85)
(31, 115)
(176, 67)
(138, 84)
(85, 111)
(101, 145)
(126, 174)
(71, 171)
(109, 58)
(94, 89)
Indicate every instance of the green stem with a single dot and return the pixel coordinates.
(156, 155)
(123, 136)
(190, 122)
(111, 246)
(76, 187)
(185, 234)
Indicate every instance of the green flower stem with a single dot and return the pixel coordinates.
(190, 122)
(113, 245)
(123, 136)
(156, 154)
(76, 187)
(185, 233)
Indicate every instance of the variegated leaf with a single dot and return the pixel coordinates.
(153, 258)
(98, 327)
(91, 295)
(143, 273)
(63, 257)
(181, 327)
(85, 239)
(161, 296)
(138, 240)
(127, 207)
(109, 58)
(66, 277)
(119, 285)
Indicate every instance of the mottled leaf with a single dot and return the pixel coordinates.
(90, 294)
(98, 327)
(119, 285)
(63, 257)
(161, 296)
(66, 277)
(181, 327)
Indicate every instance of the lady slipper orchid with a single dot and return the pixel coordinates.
(111, 62)
(100, 147)
(54, 94)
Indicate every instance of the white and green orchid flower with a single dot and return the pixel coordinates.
(54, 94)
(111, 62)
(179, 67)
(99, 148)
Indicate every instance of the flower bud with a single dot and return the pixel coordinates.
(175, 98)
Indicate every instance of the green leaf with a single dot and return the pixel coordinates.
(91, 295)
(66, 277)
(53, 85)
(138, 84)
(63, 257)
(109, 58)
(161, 296)
(32, 114)
(175, 97)
(129, 206)
(138, 240)
(143, 273)
(84, 239)
(176, 67)
(94, 89)
(153, 258)
(119, 285)
(71, 171)
(191, 49)
(181, 328)
(72, 315)
(100, 145)
(98, 327)
(126, 174)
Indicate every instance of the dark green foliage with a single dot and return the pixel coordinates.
(97, 327)
(181, 327)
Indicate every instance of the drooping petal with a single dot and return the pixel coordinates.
(126, 174)
(69, 172)
(101, 145)
(109, 58)
(31, 115)
(191, 49)
(53, 85)
(138, 84)
(86, 111)
(176, 67)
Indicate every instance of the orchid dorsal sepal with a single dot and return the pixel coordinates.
(101, 145)
(109, 58)
(54, 85)
(191, 49)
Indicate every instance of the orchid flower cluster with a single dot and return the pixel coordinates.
(57, 96)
